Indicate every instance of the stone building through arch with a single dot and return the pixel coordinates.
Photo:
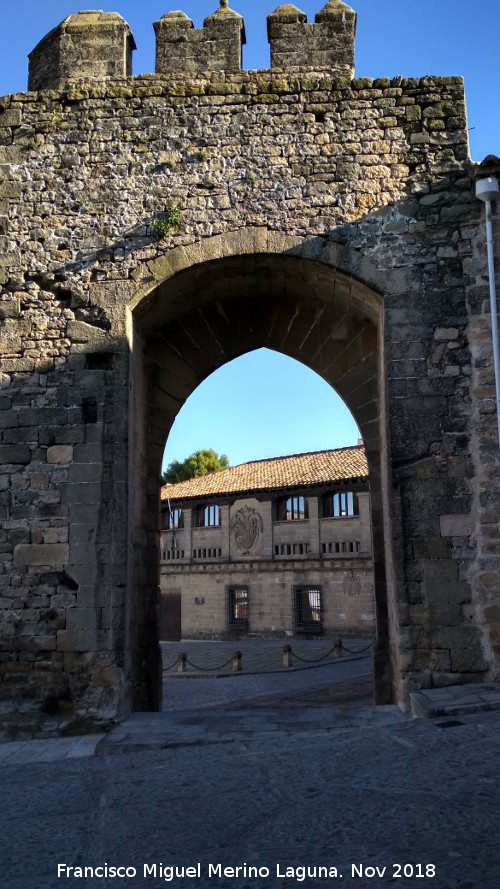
(206, 314)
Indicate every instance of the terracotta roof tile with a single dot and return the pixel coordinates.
(276, 473)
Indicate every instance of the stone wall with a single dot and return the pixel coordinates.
(154, 227)
(347, 600)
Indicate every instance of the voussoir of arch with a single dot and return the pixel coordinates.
(260, 240)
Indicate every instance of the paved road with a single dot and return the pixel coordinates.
(190, 693)
(404, 793)
(236, 777)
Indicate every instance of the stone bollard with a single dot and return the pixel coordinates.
(337, 647)
(181, 662)
(287, 656)
(236, 666)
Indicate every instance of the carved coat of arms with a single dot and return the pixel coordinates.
(351, 584)
(246, 528)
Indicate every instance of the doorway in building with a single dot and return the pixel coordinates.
(169, 620)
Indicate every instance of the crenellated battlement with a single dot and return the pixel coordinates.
(91, 43)
(329, 42)
(99, 45)
(215, 47)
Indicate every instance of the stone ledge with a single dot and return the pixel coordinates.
(455, 700)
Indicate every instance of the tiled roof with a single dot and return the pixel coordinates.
(277, 473)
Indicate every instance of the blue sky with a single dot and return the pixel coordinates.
(264, 404)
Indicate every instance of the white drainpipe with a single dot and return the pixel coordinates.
(488, 190)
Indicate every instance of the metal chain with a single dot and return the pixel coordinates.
(314, 660)
(359, 651)
(319, 659)
(209, 669)
(293, 654)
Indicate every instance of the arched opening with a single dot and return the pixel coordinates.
(248, 554)
(205, 315)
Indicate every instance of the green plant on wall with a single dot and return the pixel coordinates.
(169, 221)
(55, 119)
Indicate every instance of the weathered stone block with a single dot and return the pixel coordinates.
(447, 592)
(457, 525)
(42, 643)
(9, 307)
(61, 435)
(19, 454)
(26, 554)
(468, 657)
(85, 472)
(436, 548)
(71, 640)
(60, 454)
(81, 332)
(10, 117)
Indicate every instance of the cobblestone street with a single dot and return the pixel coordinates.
(379, 795)
(278, 772)
(316, 675)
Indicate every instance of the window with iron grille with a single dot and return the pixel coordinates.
(341, 504)
(307, 609)
(237, 607)
(290, 509)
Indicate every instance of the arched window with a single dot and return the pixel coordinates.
(340, 505)
(291, 509)
(207, 516)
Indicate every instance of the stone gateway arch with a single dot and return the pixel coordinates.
(155, 227)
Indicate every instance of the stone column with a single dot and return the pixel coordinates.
(365, 522)
(225, 530)
(188, 532)
(267, 529)
(313, 526)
